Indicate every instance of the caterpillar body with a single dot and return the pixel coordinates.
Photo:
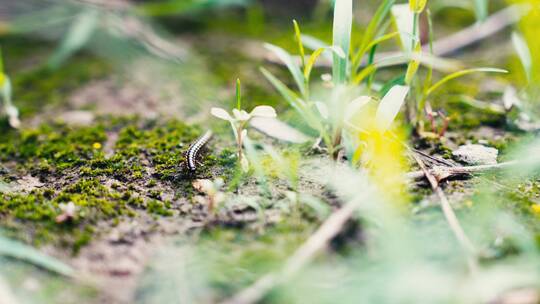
(193, 151)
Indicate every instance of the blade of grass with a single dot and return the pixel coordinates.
(77, 36)
(238, 94)
(298, 37)
(288, 60)
(341, 38)
(17, 250)
(316, 54)
(371, 30)
(524, 53)
(460, 74)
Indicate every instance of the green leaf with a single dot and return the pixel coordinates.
(460, 74)
(341, 38)
(368, 70)
(298, 37)
(524, 53)
(238, 94)
(318, 52)
(404, 20)
(481, 8)
(288, 60)
(77, 36)
(1, 62)
(371, 30)
(390, 106)
(289, 95)
(17, 250)
(298, 104)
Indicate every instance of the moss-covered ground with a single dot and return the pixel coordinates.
(127, 169)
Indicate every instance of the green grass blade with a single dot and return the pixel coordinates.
(524, 53)
(368, 70)
(371, 30)
(481, 8)
(288, 60)
(460, 74)
(289, 95)
(238, 94)
(1, 61)
(298, 37)
(405, 22)
(318, 52)
(78, 35)
(341, 38)
(17, 250)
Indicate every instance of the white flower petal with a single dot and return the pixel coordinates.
(389, 106)
(220, 113)
(263, 111)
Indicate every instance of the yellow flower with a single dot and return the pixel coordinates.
(417, 6)
(96, 146)
(535, 209)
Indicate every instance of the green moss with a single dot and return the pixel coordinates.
(104, 188)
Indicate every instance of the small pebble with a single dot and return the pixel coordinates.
(473, 154)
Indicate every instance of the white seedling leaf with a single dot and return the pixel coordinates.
(221, 113)
(278, 129)
(291, 64)
(241, 115)
(263, 111)
(389, 106)
(510, 98)
(6, 294)
(341, 37)
(244, 163)
(11, 111)
(404, 19)
(523, 52)
(354, 106)
(322, 108)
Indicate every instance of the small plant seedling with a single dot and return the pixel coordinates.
(5, 95)
(239, 120)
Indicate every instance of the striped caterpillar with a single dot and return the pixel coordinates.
(193, 151)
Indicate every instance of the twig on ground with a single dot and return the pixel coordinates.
(444, 172)
(303, 255)
(450, 216)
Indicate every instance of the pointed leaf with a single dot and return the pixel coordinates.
(354, 106)
(404, 19)
(341, 38)
(390, 106)
(462, 73)
(288, 60)
(24, 252)
(523, 52)
(313, 58)
(78, 35)
(322, 108)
